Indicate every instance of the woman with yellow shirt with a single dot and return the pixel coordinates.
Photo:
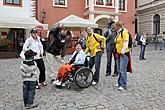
(122, 50)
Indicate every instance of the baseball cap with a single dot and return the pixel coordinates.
(34, 30)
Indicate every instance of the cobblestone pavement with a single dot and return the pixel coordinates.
(146, 88)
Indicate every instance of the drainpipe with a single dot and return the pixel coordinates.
(91, 9)
(37, 9)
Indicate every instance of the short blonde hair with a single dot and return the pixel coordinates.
(119, 24)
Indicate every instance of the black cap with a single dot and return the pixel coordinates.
(78, 43)
(34, 30)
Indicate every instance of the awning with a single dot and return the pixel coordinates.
(73, 21)
(25, 23)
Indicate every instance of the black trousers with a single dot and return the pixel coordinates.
(109, 61)
(41, 67)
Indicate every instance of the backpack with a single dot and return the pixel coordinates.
(97, 41)
(130, 42)
(138, 36)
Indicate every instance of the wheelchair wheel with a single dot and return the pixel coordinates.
(83, 77)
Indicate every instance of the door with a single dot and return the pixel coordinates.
(19, 39)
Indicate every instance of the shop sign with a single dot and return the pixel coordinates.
(39, 28)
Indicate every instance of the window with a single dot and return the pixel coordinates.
(136, 3)
(105, 2)
(9, 41)
(60, 2)
(15, 2)
(108, 2)
(99, 2)
(87, 3)
(156, 24)
(122, 5)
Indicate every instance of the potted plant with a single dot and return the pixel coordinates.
(98, 2)
(109, 4)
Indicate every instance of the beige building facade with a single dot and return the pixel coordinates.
(150, 16)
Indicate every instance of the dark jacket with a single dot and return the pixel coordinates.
(110, 36)
(58, 44)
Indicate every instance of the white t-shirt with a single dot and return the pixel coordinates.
(34, 45)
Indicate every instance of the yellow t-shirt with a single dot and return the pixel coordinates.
(119, 40)
(92, 45)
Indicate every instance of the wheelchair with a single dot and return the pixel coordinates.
(80, 74)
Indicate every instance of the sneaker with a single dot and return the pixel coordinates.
(38, 87)
(43, 83)
(116, 85)
(56, 81)
(121, 88)
(94, 83)
(31, 106)
(63, 85)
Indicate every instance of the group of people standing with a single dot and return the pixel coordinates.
(117, 45)
(116, 40)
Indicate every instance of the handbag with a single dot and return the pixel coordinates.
(22, 54)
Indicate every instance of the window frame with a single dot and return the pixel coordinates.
(6, 3)
(122, 8)
(58, 5)
(108, 3)
(156, 24)
(86, 3)
(104, 4)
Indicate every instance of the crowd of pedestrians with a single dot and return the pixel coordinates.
(116, 41)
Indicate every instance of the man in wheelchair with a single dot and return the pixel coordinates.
(78, 58)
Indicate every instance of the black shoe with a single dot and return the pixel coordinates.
(115, 74)
(31, 106)
(143, 59)
(107, 74)
(52, 80)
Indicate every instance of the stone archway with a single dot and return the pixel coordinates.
(102, 21)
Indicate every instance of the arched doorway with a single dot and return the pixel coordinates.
(156, 24)
(102, 21)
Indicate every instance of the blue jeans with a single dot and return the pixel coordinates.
(162, 44)
(29, 92)
(97, 61)
(122, 81)
(118, 64)
(142, 52)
